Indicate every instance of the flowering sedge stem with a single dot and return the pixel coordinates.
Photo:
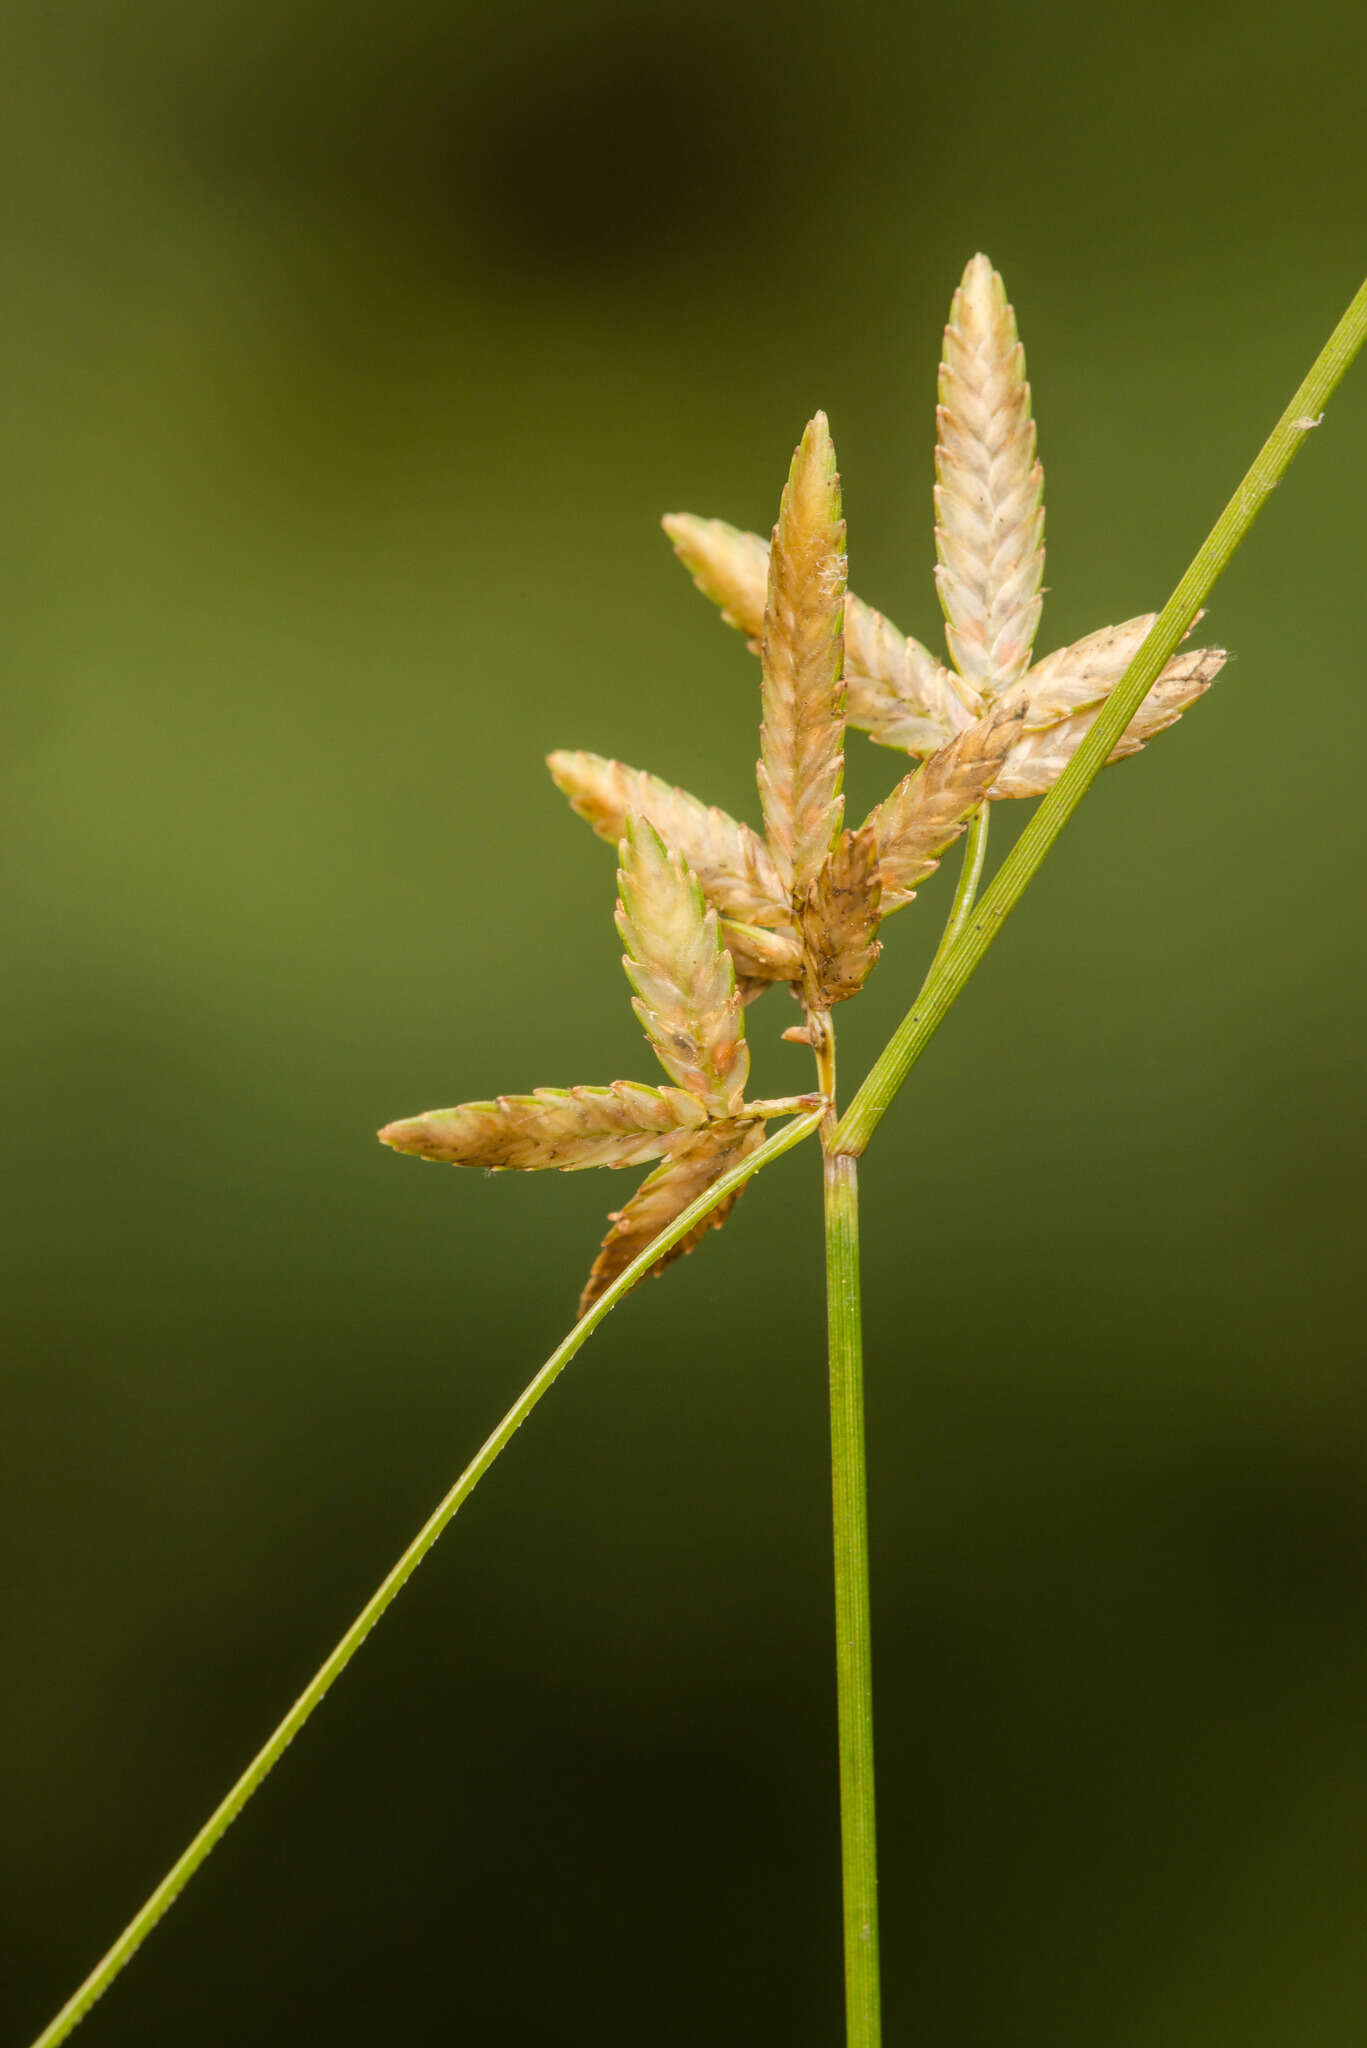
(180, 1873)
(966, 939)
(944, 987)
(970, 934)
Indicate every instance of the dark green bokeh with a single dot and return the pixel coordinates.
(350, 356)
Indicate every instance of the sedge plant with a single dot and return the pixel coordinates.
(714, 916)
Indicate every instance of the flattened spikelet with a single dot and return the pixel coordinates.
(1076, 678)
(840, 921)
(930, 808)
(684, 981)
(989, 531)
(763, 956)
(734, 867)
(802, 739)
(1039, 757)
(688, 1173)
(622, 1125)
(895, 689)
(727, 565)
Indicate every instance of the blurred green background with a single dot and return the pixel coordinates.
(350, 355)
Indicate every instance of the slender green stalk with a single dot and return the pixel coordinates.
(927, 1013)
(853, 1628)
(849, 1492)
(965, 891)
(850, 1524)
(184, 1868)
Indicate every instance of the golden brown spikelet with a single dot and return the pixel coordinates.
(569, 1128)
(1080, 676)
(761, 955)
(930, 808)
(727, 565)
(840, 921)
(989, 531)
(1039, 757)
(683, 977)
(802, 739)
(687, 1173)
(895, 689)
(734, 867)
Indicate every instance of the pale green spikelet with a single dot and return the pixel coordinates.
(685, 983)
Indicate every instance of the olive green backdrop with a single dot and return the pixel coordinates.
(350, 355)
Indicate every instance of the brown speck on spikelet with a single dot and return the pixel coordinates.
(802, 738)
(989, 532)
(1082, 676)
(684, 980)
(840, 921)
(930, 808)
(688, 1173)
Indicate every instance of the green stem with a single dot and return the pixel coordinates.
(180, 1873)
(850, 1522)
(966, 889)
(927, 1013)
(853, 1629)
